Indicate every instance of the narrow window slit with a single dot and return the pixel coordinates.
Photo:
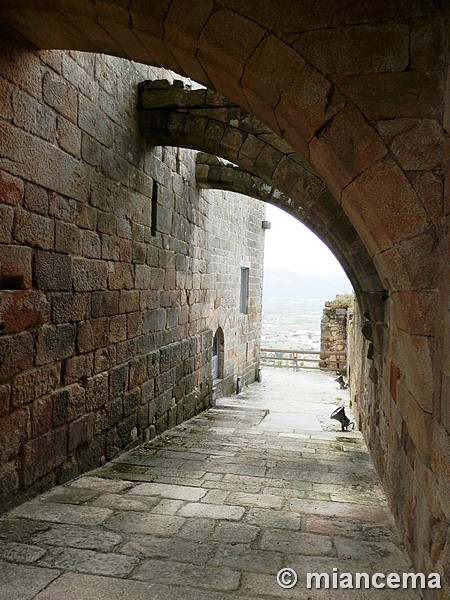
(154, 225)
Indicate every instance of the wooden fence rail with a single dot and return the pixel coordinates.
(314, 359)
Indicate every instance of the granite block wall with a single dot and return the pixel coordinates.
(115, 271)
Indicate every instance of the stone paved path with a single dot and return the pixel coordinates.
(214, 509)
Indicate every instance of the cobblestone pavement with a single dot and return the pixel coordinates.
(214, 509)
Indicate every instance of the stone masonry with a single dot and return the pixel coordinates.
(116, 271)
(350, 96)
(333, 336)
(213, 509)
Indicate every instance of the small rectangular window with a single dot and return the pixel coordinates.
(154, 225)
(244, 290)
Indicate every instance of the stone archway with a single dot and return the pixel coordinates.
(203, 120)
(327, 125)
(332, 111)
(357, 92)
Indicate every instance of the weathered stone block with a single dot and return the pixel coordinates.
(143, 276)
(91, 246)
(27, 152)
(125, 350)
(29, 385)
(14, 428)
(43, 454)
(58, 94)
(89, 274)
(68, 136)
(131, 402)
(11, 189)
(164, 359)
(418, 144)
(127, 429)
(139, 252)
(91, 150)
(106, 222)
(154, 320)
(92, 334)
(121, 277)
(86, 216)
(6, 224)
(41, 416)
(357, 49)
(105, 303)
(94, 122)
(36, 199)
(394, 202)
(158, 279)
(110, 247)
(382, 96)
(16, 270)
(134, 324)
(93, 454)
(34, 230)
(341, 157)
(172, 317)
(5, 99)
(68, 307)
(148, 391)
(164, 219)
(96, 391)
(53, 271)
(62, 208)
(21, 310)
(16, 354)
(143, 419)
(80, 432)
(9, 476)
(114, 412)
(440, 464)
(67, 239)
(33, 116)
(138, 371)
(55, 342)
(118, 380)
(125, 250)
(78, 367)
(419, 352)
(5, 396)
(429, 187)
(117, 329)
(163, 401)
(68, 404)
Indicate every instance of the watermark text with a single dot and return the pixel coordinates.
(288, 578)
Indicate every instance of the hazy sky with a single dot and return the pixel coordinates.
(290, 245)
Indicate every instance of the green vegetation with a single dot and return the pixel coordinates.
(342, 301)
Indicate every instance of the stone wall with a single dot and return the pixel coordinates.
(108, 256)
(333, 337)
(234, 226)
(401, 439)
(362, 389)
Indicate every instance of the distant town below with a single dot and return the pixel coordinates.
(293, 307)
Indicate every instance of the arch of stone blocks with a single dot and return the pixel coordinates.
(212, 173)
(356, 90)
(203, 120)
(338, 84)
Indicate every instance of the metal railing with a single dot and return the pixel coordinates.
(304, 359)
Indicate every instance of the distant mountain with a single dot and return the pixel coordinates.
(286, 291)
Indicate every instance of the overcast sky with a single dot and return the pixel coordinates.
(292, 246)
